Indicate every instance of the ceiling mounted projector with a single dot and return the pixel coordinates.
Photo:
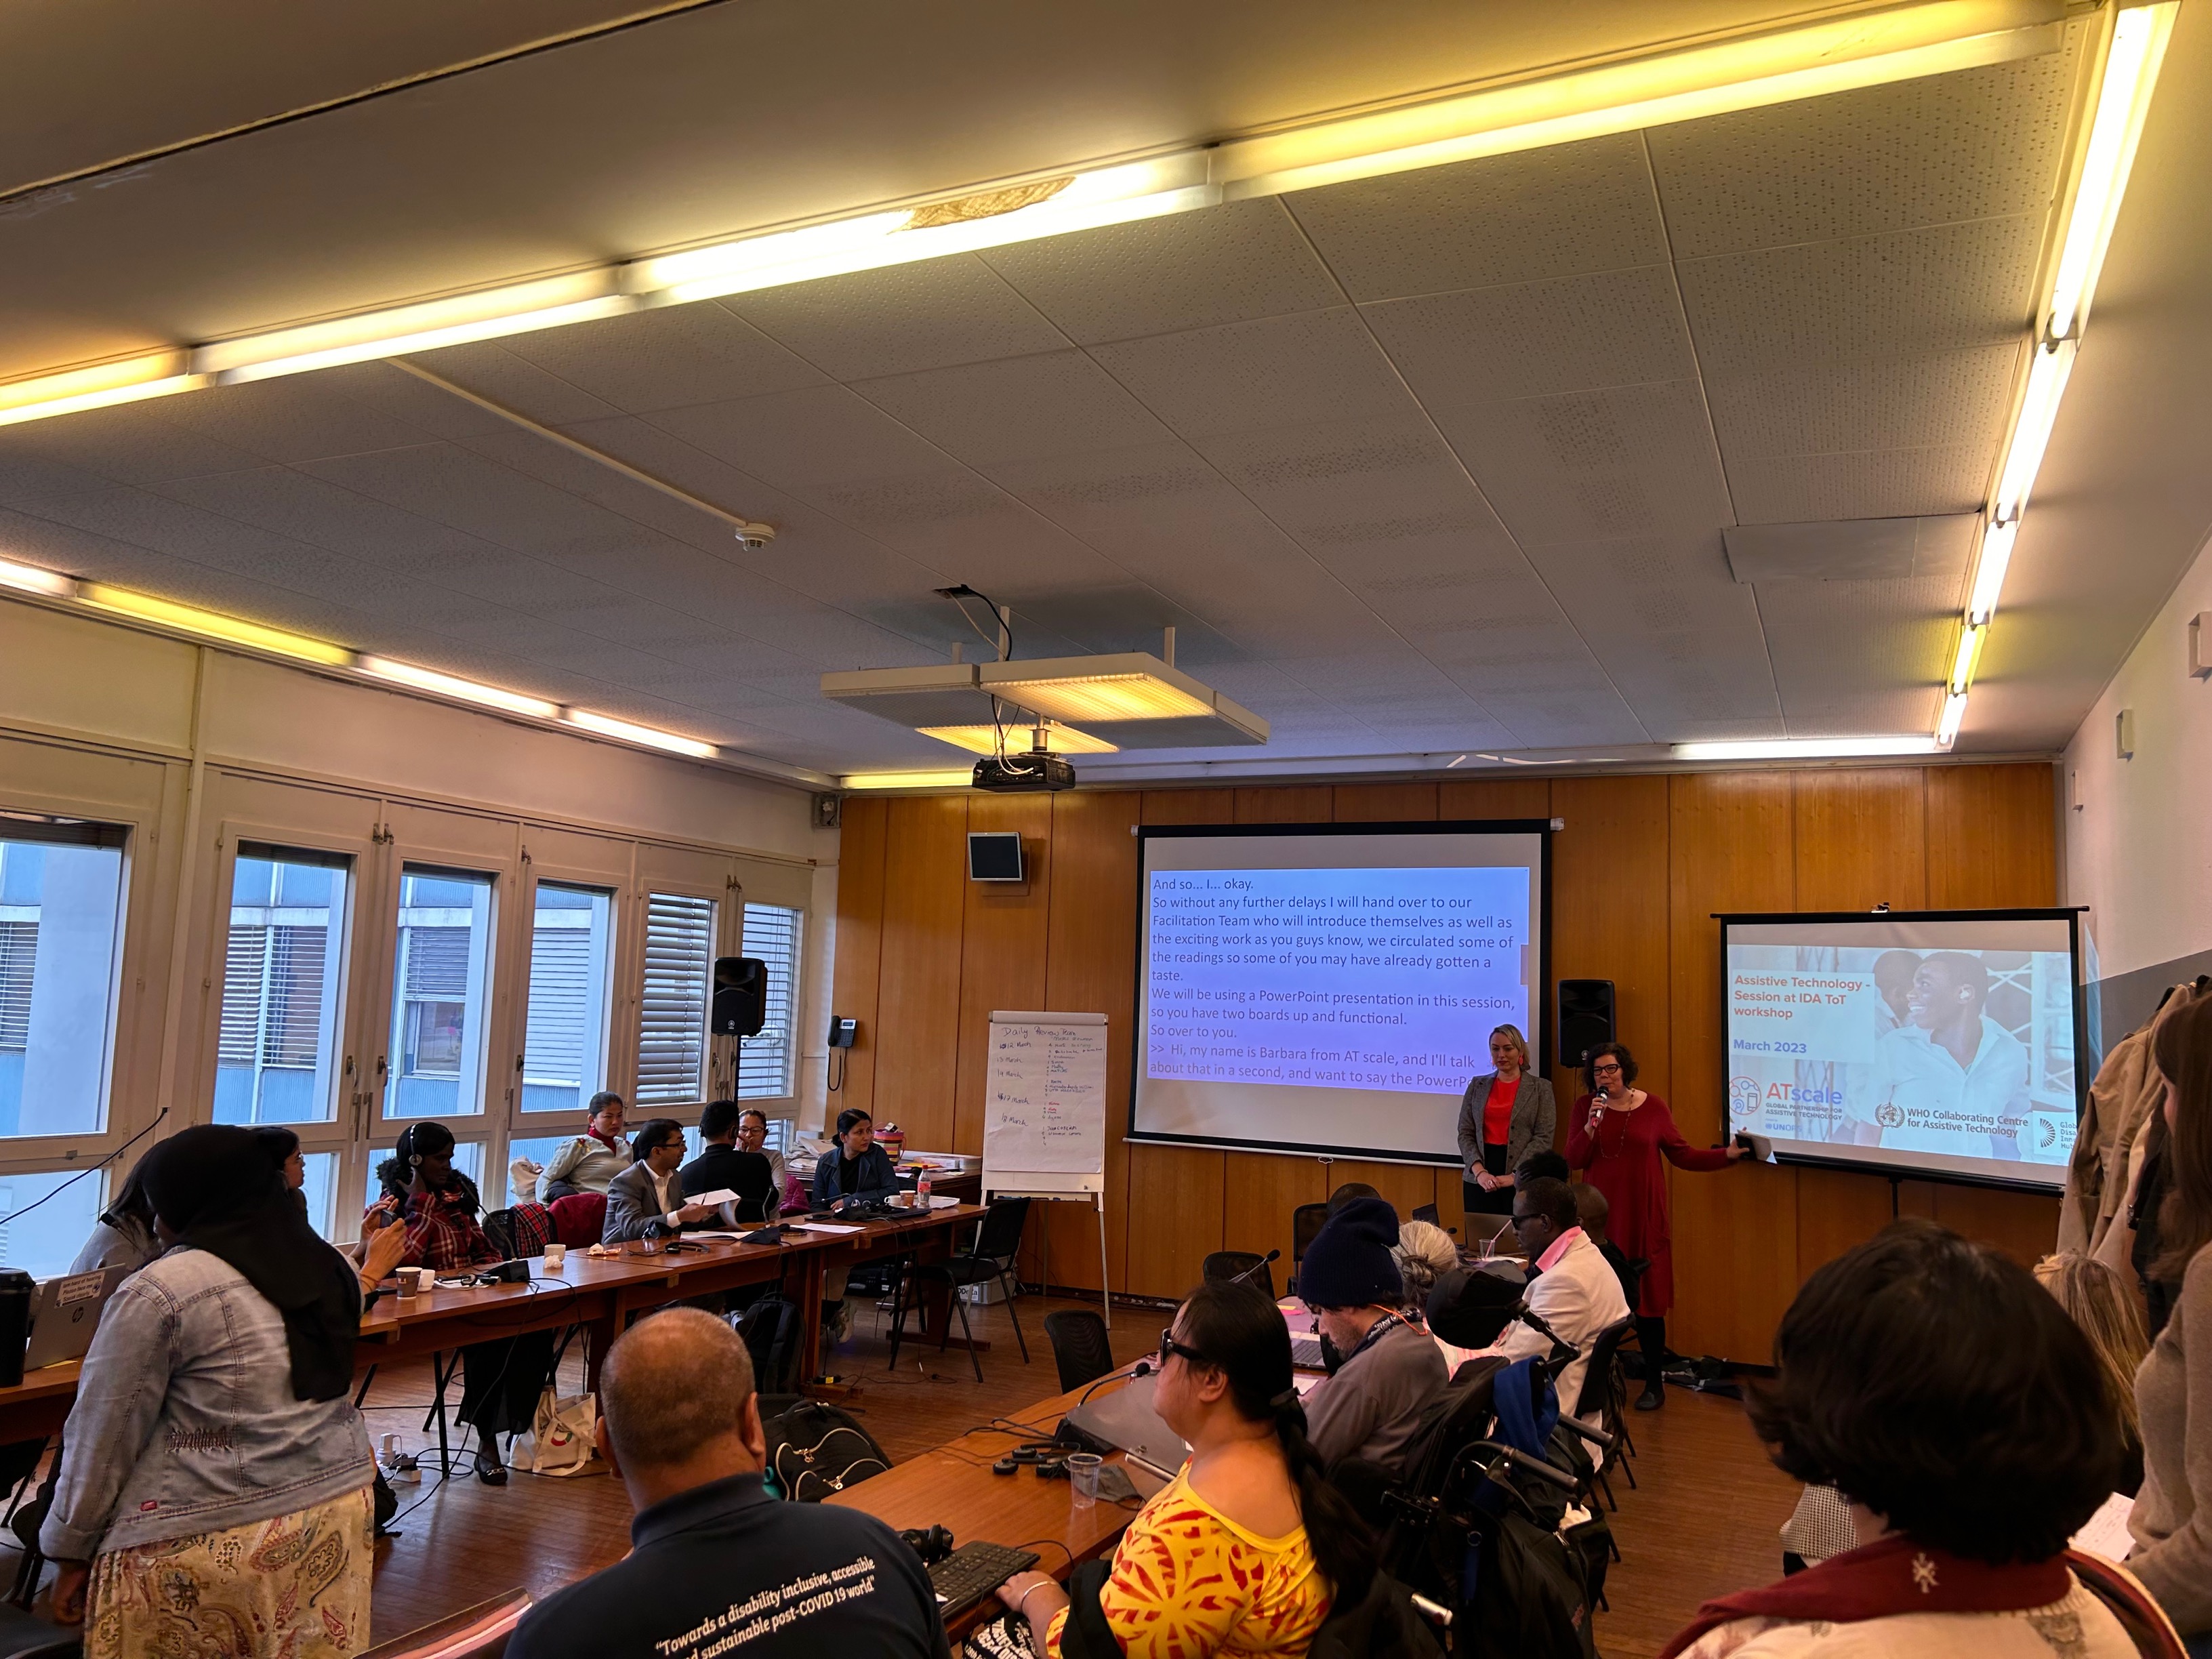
(1023, 769)
(1130, 700)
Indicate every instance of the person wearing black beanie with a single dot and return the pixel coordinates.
(1370, 1406)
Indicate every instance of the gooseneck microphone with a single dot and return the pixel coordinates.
(1258, 1267)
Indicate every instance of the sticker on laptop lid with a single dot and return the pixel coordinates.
(78, 1287)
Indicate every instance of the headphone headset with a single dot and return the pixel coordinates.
(933, 1546)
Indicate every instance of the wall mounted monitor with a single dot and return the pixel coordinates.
(995, 855)
(1930, 1043)
(1330, 988)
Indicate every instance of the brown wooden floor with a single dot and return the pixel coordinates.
(1703, 1522)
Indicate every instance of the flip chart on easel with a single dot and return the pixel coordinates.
(1044, 1106)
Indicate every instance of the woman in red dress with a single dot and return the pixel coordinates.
(1617, 1132)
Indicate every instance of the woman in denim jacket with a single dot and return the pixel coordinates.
(213, 1493)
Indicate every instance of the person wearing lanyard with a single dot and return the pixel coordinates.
(1370, 1407)
(1505, 1116)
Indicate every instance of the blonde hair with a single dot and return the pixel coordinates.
(1519, 1041)
(2099, 1300)
(1426, 1253)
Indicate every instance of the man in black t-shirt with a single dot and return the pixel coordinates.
(720, 1166)
(717, 1565)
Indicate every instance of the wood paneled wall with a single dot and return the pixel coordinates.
(923, 955)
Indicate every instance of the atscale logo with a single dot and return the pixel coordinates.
(1743, 1099)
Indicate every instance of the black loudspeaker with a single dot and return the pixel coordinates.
(740, 1006)
(1585, 1018)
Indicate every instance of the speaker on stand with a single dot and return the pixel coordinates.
(738, 1010)
(1585, 1018)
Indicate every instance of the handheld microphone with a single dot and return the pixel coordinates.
(1261, 1266)
(1597, 1108)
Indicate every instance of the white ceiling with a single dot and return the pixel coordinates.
(1437, 462)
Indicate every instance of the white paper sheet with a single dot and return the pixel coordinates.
(2105, 1533)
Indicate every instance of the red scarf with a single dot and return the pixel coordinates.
(1889, 1576)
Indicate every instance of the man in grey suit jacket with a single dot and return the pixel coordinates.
(1488, 1164)
(651, 1191)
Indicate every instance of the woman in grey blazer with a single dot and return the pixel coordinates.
(1503, 1117)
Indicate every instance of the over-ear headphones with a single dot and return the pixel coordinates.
(933, 1546)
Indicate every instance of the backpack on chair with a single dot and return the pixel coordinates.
(815, 1450)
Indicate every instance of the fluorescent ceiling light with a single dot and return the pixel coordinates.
(2139, 38)
(984, 739)
(449, 685)
(985, 219)
(1955, 711)
(35, 579)
(1822, 58)
(607, 727)
(155, 375)
(484, 315)
(2030, 433)
(1969, 653)
(1806, 748)
(908, 780)
(1989, 572)
(233, 630)
(1131, 696)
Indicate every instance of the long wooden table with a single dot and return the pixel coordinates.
(954, 1486)
(600, 1293)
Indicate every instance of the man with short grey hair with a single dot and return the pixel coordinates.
(716, 1563)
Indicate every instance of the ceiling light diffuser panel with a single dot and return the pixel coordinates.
(1129, 701)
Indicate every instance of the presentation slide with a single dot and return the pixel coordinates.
(1906, 1044)
(1331, 991)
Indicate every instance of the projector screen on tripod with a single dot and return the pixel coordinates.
(1330, 989)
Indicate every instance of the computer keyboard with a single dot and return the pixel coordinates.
(973, 1571)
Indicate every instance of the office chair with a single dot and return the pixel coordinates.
(1602, 1392)
(1222, 1265)
(1305, 1227)
(998, 1240)
(1080, 1347)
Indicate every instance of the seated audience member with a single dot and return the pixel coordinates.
(214, 1491)
(681, 1426)
(2172, 1517)
(1570, 1287)
(1247, 1549)
(1941, 1391)
(1370, 1405)
(124, 1236)
(721, 1167)
(855, 1168)
(435, 1206)
(650, 1192)
(281, 1145)
(590, 1163)
(752, 1137)
(1426, 1253)
(1350, 1190)
(1543, 1165)
(2099, 1300)
(1593, 1209)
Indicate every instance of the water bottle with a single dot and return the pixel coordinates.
(921, 1189)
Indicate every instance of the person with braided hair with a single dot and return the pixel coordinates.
(1245, 1552)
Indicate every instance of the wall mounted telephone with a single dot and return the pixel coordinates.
(844, 1031)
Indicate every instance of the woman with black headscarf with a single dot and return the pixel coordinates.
(434, 1206)
(214, 1496)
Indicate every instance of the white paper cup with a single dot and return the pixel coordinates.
(557, 1257)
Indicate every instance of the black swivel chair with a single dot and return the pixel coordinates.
(1080, 1347)
(998, 1240)
(1223, 1265)
(1305, 1227)
(1602, 1392)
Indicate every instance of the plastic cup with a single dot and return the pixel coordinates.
(557, 1257)
(1083, 1471)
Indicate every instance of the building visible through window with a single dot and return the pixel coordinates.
(282, 963)
(440, 982)
(571, 957)
(61, 903)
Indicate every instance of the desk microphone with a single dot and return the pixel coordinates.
(1258, 1267)
(1142, 1368)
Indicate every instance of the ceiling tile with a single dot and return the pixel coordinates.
(1888, 402)
(1017, 408)
(666, 358)
(1324, 366)
(928, 314)
(1882, 484)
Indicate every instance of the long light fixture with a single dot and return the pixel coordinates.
(907, 781)
(35, 578)
(607, 727)
(1111, 696)
(155, 375)
(452, 685)
(2132, 57)
(214, 625)
(985, 739)
(1806, 748)
(1834, 55)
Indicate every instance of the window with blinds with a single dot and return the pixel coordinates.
(61, 911)
(280, 979)
(765, 1062)
(564, 1049)
(679, 966)
(19, 953)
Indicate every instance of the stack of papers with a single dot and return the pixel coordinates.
(2105, 1533)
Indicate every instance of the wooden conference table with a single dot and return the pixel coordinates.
(597, 1292)
(953, 1487)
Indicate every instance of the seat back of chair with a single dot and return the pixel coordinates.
(476, 1632)
(1080, 1347)
(1306, 1223)
(999, 1235)
(1223, 1265)
(1596, 1393)
(2122, 1592)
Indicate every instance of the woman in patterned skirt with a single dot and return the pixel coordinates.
(1245, 1551)
(214, 1494)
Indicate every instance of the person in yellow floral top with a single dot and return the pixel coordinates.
(1243, 1553)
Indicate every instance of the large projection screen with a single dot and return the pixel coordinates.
(1933, 1043)
(1322, 988)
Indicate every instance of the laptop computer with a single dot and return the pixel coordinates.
(1126, 1420)
(64, 1312)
